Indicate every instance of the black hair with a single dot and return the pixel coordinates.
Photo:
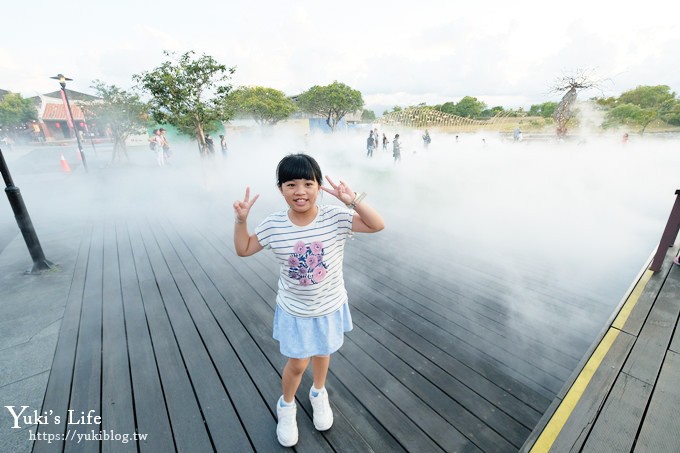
(298, 166)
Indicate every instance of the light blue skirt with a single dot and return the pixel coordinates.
(300, 338)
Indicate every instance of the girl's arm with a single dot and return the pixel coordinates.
(366, 219)
(246, 244)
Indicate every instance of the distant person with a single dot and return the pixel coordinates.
(223, 145)
(396, 148)
(370, 145)
(156, 145)
(517, 135)
(624, 140)
(312, 313)
(376, 138)
(385, 142)
(426, 139)
(209, 145)
(165, 144)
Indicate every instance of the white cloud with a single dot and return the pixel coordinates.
(495, 51)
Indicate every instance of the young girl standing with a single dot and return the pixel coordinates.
(312, 313)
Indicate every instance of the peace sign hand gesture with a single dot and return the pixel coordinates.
(340, 191)
(242, 208)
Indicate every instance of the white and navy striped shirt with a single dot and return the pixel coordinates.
(311, 282)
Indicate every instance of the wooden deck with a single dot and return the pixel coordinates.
(625, 396)
(167, 334)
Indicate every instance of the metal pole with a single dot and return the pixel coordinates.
(75, 129)
(40, 263)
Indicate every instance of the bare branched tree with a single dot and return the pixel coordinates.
(570, 85)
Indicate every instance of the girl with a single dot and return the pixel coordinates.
(311, 314)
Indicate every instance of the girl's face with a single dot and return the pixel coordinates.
(300, 194)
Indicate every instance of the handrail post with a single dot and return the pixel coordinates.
(16, 201)
(668, 236)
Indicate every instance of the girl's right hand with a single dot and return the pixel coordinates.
(242, 208)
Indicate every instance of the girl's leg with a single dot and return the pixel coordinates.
(320, 365)
(292, 375)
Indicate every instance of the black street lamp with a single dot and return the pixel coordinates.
(40, 263)
(62, 81)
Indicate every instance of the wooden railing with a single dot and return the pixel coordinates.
(670, 233)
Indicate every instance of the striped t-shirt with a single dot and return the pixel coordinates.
(311, 282)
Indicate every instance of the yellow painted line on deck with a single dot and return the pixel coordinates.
(566, 407)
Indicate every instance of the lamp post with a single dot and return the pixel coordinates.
(62, 81)
(40, 263)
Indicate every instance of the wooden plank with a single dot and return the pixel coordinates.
(486, 401)
(56, 400)
(477, 303)
(253, 411)
(151, 413)
(400, 318)
(476, 430)
(660, 426)
(582, 417)
(489, 346)
(672, 286)
(616, 427)
(117, 398)
(186, 420)
(639, 313)
(485, 282)
(488, 325)
(86, 383)
(390, 415)
(650, 348)
(224, 426)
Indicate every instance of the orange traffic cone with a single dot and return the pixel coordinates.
(64, 164)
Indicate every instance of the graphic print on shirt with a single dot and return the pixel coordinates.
(306, 263)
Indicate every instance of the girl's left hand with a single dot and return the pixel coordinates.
(340, 191)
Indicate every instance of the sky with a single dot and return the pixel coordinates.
(395, 53)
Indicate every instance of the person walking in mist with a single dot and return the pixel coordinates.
(312, 313)
(396, 148)
(385, 142)
(156, 145)
(370, 145)
(223, 145)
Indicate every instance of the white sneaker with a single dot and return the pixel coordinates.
(323, 414)
(286, 429)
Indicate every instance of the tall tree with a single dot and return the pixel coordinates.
(190, 93)
(266, 106)
(469, 107)
(15, 111)
(121, 111)
(332, 102)
(569, 85)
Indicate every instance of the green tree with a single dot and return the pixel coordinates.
(641, 106)
(490, 113)
(122, 111)
(545, 110)
(647, 96)
(469, 107)
(190, 93)
(332, 102)
(266, 106)
(368, 116)
(15, 111)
